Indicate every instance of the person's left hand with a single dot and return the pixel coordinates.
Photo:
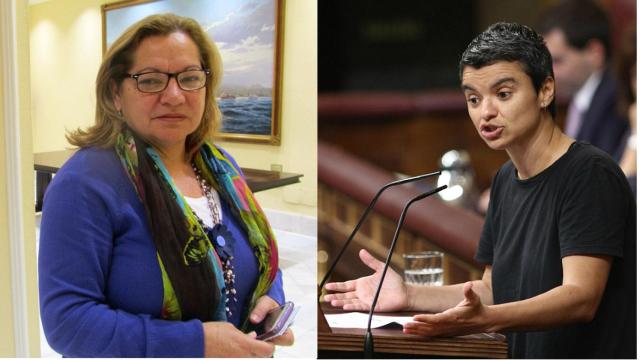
(468, 317)
(263, 305)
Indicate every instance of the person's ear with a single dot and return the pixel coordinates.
(547, 92)
(115, 95)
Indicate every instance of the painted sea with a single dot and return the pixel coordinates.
(246, 115)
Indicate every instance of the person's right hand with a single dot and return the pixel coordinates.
(357, 295)
(222, 339)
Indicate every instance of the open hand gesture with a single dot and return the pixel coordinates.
(468, 317)
(357, 295)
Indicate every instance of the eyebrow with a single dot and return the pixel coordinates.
(493, 86)
(153, 69)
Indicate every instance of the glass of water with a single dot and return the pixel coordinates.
(423, 268)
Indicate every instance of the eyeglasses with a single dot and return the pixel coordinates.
(153, 82)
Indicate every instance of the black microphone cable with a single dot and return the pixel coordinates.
(368, 339)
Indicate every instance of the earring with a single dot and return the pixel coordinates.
(120, 113)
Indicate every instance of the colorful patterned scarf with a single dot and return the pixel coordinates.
(223, 176)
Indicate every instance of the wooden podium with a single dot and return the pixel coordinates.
(348, 343)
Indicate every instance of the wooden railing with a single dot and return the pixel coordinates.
(345, 187)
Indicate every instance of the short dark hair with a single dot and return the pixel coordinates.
(511, 42)
(579, 20)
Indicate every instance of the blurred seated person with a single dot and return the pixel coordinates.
(578, 37)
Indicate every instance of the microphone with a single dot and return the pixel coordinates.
(368, 339)
(364, 216)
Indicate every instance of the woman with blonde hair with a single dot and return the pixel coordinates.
(152, 244)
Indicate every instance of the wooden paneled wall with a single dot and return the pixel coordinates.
(406, 133)
(408, 140)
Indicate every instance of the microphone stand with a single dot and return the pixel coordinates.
(364, 216)
(368, 339)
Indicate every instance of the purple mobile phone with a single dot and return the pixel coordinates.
(275, 323)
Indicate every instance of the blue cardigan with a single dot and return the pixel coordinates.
(100, 283)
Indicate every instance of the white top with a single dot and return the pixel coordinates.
(201, 208)
(583, 97)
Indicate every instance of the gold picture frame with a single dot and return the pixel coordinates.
(251, 111)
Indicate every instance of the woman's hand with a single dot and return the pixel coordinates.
(358, 294)
(468, 317)
(222, 339)
(263, 305)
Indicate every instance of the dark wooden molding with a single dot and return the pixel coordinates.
(366, 105)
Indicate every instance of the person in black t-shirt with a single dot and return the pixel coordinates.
(559, 240)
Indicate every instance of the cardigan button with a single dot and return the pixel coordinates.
(220, 240)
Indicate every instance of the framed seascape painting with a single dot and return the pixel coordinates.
(248, 34)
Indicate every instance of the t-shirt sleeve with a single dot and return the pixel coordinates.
(484, 253)
(594, 211)
(75, 252)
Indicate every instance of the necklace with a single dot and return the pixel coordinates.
(206, 190)
(221, 239)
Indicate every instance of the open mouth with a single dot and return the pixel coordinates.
(490, 132)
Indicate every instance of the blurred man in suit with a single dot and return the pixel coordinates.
(577, 35)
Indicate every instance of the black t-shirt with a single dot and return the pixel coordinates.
(581, 204)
